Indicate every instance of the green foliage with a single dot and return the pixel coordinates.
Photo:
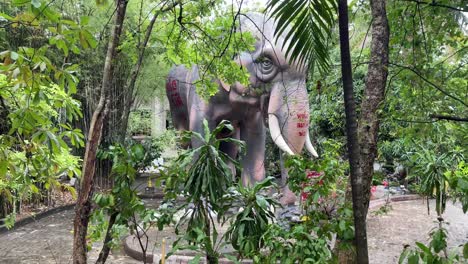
(37, 82)
(252, 221)
(139, 122)
(330, 166)
(202, 176)
(321, 184)
(211, 41)
(300, 244)
(432, 253)
(309, 24)
(206, 173)
(122, 200)
(432, 167)
(168, 139)
(458, 183)
(36, 150)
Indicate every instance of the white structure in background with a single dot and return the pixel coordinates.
(160, 110)
(156, 166)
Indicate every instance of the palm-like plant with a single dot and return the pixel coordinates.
(308, 25)
(249, 225)
(203, 176)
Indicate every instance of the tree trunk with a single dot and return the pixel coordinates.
(83, 204)
(360, 239)
(130, 88)
(106, 245)
(374, 94)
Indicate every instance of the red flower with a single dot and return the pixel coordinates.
(313, 177)
(385, 183)
(313, 174)
(373, 189)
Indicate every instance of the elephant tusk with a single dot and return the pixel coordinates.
(309, 146)
(275, 133)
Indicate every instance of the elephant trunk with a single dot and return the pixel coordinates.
(288, 116)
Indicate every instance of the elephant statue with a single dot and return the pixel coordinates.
(275, 97)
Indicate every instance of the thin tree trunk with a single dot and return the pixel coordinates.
(130, 89)
(83, 204)
(106, 246)
(374, 94)
(359, 211)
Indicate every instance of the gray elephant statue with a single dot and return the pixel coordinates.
(276, 96)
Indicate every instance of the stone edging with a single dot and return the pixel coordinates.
(155, 195)
(376, 204)
(135, 254)
(35, 217)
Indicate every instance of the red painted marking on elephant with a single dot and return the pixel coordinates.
(177, 100)
(301, 133)
(301, 124)
(302, 115)
(171, 87)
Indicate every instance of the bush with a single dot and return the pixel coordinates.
(139, 122)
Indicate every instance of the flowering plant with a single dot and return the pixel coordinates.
(313, 178)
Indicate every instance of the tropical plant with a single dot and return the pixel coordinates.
(121, 203)
(432, 166)
(202, 175)
(300, 244)
(436, 251)
(311, 23)
(458, 182)
(255, 206)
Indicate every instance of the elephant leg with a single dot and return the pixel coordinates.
(197, 114)
(288, 197)
(252, 132)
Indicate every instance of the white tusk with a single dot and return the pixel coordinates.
(275, 133)
(309, 146)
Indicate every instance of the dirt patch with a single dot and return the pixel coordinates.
(59, 199)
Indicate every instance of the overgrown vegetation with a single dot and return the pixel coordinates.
(52, 57)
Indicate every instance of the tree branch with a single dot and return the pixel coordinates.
(434, 3)
(429, 82)
(448, 117)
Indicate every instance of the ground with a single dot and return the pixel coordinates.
(408, 222)
(49, 240)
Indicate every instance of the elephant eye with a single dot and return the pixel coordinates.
(266, 69)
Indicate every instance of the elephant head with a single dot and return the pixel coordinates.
(276, 92)
(278, 79)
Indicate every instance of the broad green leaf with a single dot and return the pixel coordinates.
(14, 55)
(36, 3)
(21, 2)
(465, 250)
(3, 168)
(413, 258)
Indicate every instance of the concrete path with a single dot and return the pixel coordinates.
(49, 240)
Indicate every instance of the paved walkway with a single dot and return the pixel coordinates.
(408, 222)
(50, 240)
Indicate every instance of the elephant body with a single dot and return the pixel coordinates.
(275, 97)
